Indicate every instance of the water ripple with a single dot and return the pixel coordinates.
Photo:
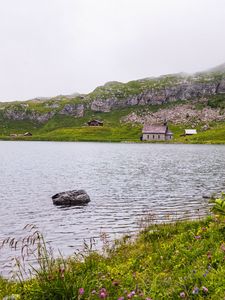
(124, 181)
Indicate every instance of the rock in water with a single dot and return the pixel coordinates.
(69, 198)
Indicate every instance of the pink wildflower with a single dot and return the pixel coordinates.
(81, 291)
(102, 293)
(222, 247)
(204, 289)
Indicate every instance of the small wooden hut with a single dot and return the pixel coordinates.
(95, 123)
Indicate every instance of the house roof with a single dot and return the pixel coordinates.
(190, 131)
(94, 120)
(155, 129)
(169, 132)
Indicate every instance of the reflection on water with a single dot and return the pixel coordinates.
(124, 181)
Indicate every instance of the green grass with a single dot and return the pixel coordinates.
(217, 101)
(68, 128)
(163, 262)
(215, 135)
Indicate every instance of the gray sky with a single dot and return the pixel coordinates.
(51, 47)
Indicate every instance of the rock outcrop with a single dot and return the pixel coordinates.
(183, 90)
(180, 114)
(70, 198)
(115, 95)
(76, 110)
(20, 115)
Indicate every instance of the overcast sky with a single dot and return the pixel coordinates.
(51, 47)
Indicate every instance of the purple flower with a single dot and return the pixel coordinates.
(81, 291)
(197, 237)
(182, 295)
(93, 292)
(204, 289)
(129, 296)
(121, 298)
(195, 291)
(133, 293)
(102, 293)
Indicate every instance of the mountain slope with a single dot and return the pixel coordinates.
(190, 100)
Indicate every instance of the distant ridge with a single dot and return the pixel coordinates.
(219, 68)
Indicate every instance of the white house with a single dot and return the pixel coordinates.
(190, 131)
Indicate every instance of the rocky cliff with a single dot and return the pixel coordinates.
(114, 95)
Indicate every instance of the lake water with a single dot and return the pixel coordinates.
(124, 181)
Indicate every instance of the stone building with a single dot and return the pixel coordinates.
(156, 133)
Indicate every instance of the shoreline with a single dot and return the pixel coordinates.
(113, 141)
(175, 252)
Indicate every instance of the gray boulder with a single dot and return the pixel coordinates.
(69, 198)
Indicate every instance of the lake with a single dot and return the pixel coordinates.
(124, 181)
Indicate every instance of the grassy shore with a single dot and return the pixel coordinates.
(121, 133)
(69, 128)
(183, 260)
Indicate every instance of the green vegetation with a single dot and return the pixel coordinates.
(182, 260)
(217, 101)
(219, 205)
(66, 126)
(135, 87)
(214, 135)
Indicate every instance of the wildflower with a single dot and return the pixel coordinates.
(121, 298)
(148, 298)
(197, 237)
(133, 293)
(204, 275)
(93, 292)
(115, 283)
(204, 289)
(81, 291)
(182, 295)
(102, 293)
(129, 296)
(195, 291)
(222, 247)
(209, 255)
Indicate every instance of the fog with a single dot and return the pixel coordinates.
(51, 47)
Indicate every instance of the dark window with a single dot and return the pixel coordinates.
(158, 137)
(153, 136)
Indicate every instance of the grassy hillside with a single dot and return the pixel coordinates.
(69, 127)
(184, 260)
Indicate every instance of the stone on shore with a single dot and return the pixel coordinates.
(69, 198)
